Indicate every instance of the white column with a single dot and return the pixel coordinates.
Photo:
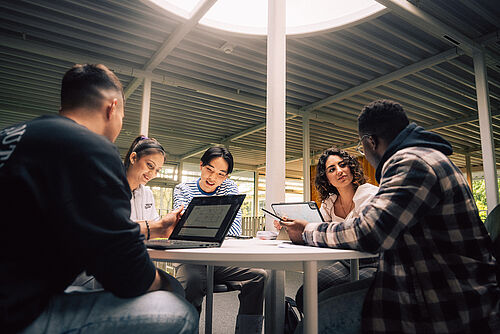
(310, 297)
(146, 105)
(306, 153)
(275, 146)
(275, 116)
(179, 171)
(468, 170)
(256, 194)
(487, 143)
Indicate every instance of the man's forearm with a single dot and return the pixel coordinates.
(160, 283)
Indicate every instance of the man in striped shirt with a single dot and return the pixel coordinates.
(216, 165)
(436, 269)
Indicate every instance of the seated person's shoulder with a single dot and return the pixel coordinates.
(184, 186)
(65, 134)
(368, 188)
(229, 183)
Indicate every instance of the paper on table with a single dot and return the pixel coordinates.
(290, 245)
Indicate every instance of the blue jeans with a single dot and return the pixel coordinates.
(99, 311)
(339, 308)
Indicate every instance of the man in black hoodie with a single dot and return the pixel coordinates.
(65, 206)
(436, 270)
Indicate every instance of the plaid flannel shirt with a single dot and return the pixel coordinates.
(436, 273)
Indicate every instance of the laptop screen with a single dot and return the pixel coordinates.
(208, 218)
(205, 220)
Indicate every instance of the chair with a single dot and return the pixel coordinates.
(492, 224)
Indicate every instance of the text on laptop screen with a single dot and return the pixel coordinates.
(205, 220)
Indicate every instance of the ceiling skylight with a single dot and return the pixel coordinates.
(302, 16)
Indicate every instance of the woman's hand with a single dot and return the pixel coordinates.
(167, 223)
(295, 229)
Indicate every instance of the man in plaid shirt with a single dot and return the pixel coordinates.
(436, 270)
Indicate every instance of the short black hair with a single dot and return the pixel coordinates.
(82, 85)
(218, 152)
(142, 146)
(383, 118)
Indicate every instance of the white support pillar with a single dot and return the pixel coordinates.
(487, 143)
(256, 194)
(179, 171)
(275, 145)
(306, 152)
(468, 170)
(146, 106)
(275, 116)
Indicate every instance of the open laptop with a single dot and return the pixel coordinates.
(205, 223)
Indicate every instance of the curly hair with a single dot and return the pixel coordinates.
(323, 186)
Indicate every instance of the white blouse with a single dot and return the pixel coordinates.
(363, 195)
(143, 205)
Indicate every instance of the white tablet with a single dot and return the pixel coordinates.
(307, 211)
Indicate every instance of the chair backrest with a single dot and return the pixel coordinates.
(492, 224)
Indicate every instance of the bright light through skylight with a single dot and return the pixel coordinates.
(302, 16)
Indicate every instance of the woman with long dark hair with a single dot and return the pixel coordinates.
(143, 161)
(344, 192)
(341, 185)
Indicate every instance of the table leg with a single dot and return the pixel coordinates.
(275, 302)
(210, 300)
(310, 297)
(354, 269)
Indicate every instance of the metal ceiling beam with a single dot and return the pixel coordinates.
(446, 124)
(171, 43)
(428, 23)
(402, 72)
(415, 16)
(42, 49)
(441, 125)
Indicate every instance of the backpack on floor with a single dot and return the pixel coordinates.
(292, 315)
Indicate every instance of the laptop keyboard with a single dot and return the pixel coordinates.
(163, 244)
(171, 242)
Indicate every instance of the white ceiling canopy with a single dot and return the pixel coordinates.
(302, 16)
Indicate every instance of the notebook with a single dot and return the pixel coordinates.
(204, 223)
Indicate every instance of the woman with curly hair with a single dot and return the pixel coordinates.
(342, 185)
(344, 192)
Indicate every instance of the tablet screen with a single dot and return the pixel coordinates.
(302, 210)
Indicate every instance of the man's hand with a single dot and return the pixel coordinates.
(168, 222)
(277, 224)
(295, 229)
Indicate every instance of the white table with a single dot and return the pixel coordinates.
(267, 254)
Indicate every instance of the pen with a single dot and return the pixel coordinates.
(274, 215)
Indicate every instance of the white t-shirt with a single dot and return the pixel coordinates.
(143, 205)
(363, 195)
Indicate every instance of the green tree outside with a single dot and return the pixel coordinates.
(479, 192)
